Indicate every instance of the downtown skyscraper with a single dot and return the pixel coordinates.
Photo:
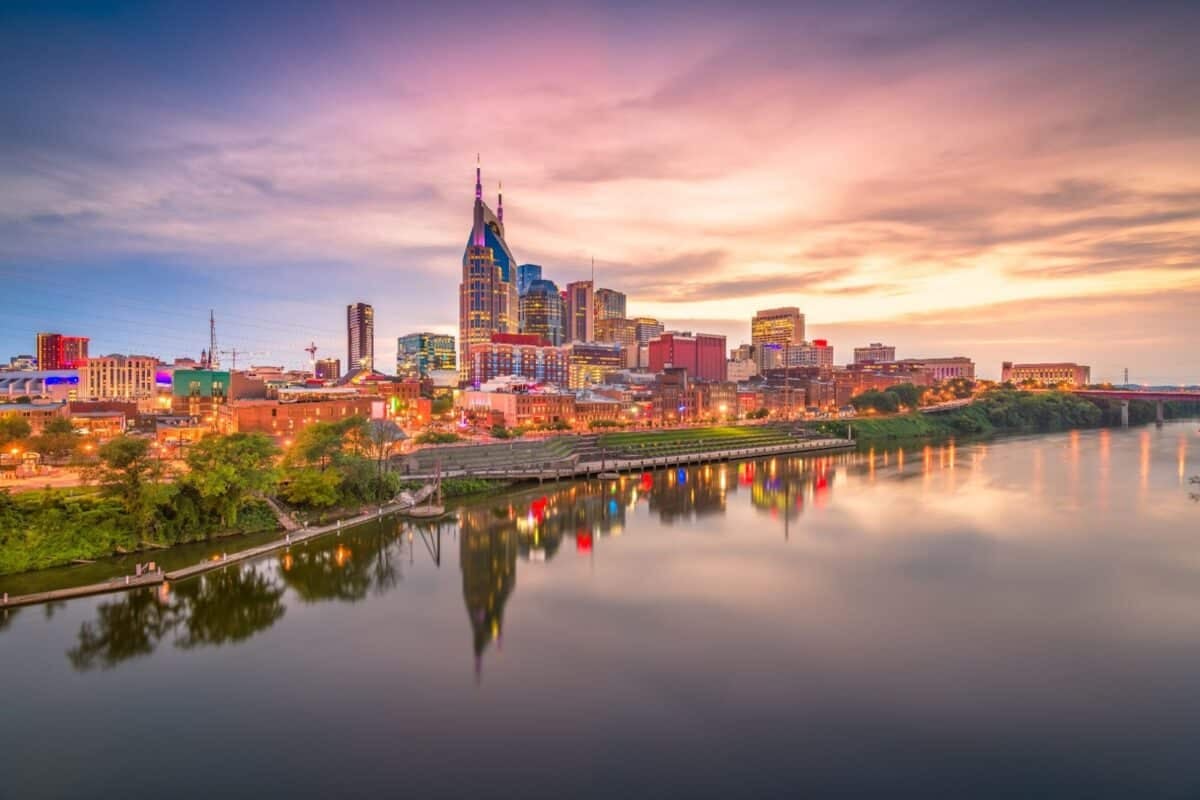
(487, 296)
(360, 337)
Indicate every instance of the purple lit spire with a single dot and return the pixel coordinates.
(478, 234)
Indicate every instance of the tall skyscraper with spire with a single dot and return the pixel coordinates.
(488, 292)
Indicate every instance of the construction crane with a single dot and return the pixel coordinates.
(234, 353)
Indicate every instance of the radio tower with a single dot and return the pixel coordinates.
(214, 360)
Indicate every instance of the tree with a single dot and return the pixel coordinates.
(58, 438)
(13, 429)
(322, 443)
(908, 394)
(442, 405)
(228, 470)
(130, 474)
(382, 436)
(313, 488)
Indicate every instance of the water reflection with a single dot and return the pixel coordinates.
(218, 608)
(236, 603)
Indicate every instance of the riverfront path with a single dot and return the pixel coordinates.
(575, 470)
(157, 577)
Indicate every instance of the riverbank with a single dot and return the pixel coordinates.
(454, 489)
(1004, 412)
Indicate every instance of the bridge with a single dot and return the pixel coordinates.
(1157, 396)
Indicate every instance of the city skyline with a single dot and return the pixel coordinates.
(1006, 186)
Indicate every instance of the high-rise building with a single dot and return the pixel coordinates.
(702, 355)
(488, 292)
(817, 353)
(542, 311)
(775, 326)
(875, 353)
(418, 353)
(327, 369)
(118, 377)
(591, 361)
(526, 275)
(56, 351)
(360, 337)
(610, 304)
(648, 328)
(581, 312)
(528, 357)
(617, 330)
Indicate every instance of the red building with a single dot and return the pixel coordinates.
(702, 355)
(55, 351)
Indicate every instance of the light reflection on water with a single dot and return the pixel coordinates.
(1017, 617)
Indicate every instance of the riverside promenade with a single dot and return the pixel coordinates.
(567, 471)
(123, 583)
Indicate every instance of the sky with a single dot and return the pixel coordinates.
(1002, 181)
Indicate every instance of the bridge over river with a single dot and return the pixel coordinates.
(1159, 397)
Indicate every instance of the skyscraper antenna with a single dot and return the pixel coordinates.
(500, 204)
(478, 181)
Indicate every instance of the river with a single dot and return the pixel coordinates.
(1012, 618)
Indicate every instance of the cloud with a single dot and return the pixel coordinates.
(862, 163)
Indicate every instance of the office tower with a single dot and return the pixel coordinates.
(817, 353)
(418, 353)
(526, 275)
(56, 351)
(702, 355)
(360, 337)
(775, 329)
(590, 361)
(647, 329)
(581, 312)
(523, 355)
(118, 377)
(542, 311)
(876, 352)
(610, 304)
(327, 369)
(488, 300)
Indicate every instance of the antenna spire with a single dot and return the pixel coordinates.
(500, 204)
(478, 181)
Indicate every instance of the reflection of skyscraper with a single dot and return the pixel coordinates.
(360, 337)
(488, 558)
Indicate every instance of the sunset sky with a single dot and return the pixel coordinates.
(1003, 182)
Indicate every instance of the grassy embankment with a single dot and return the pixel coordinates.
(1006, 411)
(46, 528)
